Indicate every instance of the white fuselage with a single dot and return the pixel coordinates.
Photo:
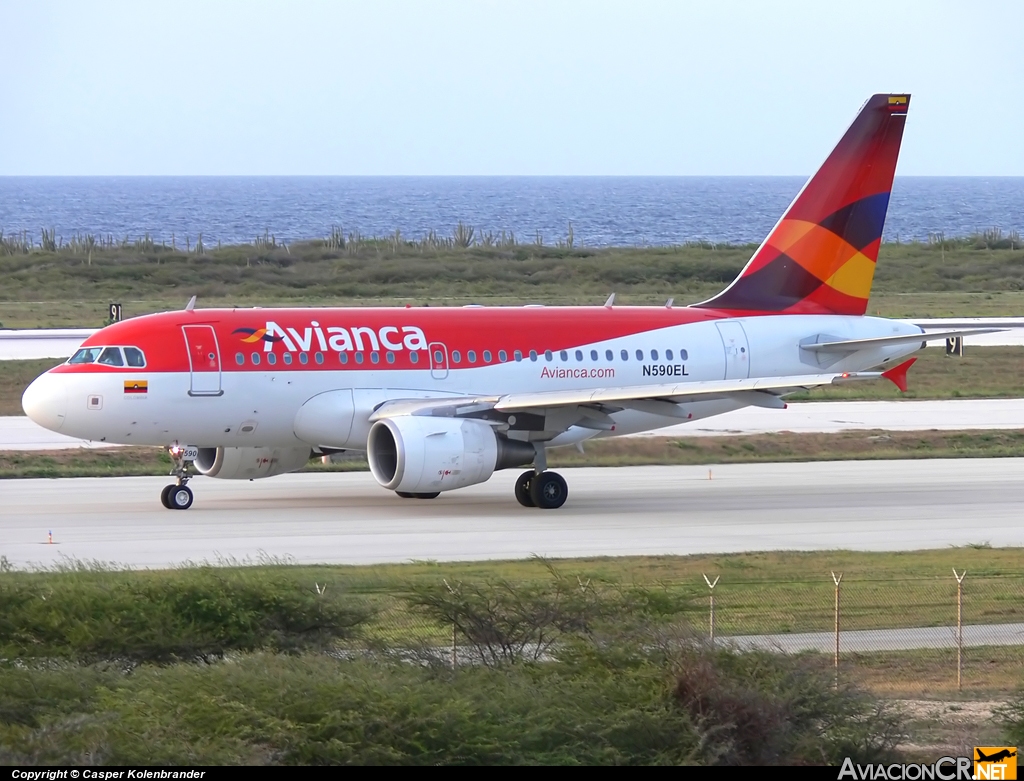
(260, 408)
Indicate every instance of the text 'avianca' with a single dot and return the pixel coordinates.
(335, 337)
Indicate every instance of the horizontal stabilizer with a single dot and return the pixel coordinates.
(853, 345)
(897, 375)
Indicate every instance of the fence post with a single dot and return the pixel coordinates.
(711, 616)
(837, 581)
(455, 647)
(959, 628)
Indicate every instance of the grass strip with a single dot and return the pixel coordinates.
(73, 288)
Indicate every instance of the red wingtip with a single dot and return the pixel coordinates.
(897, 375)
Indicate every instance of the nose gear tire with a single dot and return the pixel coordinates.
(180, 497)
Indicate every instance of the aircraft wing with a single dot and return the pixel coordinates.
(659, 399)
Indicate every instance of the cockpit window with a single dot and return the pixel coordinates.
(134, 357)
(111, 356)
(86, 355)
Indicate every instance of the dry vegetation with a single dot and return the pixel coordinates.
(55, 282)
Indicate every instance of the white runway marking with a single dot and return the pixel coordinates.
(347, 518)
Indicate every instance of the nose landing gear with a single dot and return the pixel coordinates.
(177, 496)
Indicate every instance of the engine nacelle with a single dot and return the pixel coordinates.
(249, 463)
(426, 454)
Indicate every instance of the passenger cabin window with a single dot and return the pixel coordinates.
(593, 355)
(564, 355)
(133, 357)
(414, 357)
(287, 358)
(471, 356)
(255, 359)
(579, 355)
(359, 357)
(519, 355)
(375, 356)
(668, 355)
(624, 354)
(503, 356)
(487, 356)
(533, 355)
(609, 355)
(86, 355)
(683, 355)
(654, 355)
(111, 356)
(390, 356)
(271, 358)
(639, 355)
(303, 358)
(319, 357)
(456, 356)
(239, 359)
(343, 357)
(548, 355)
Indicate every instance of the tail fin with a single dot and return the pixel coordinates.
(820, 257)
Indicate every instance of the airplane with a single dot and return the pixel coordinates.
(996, 757)
(441, 398)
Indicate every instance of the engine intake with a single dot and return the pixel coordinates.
(250, 463)
(426, 454)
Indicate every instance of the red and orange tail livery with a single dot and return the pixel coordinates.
(820, 257)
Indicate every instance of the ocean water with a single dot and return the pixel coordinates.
(604, 211)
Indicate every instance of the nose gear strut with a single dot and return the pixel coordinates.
(177, 496)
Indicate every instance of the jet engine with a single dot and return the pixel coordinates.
(249, 463)
(426, 454)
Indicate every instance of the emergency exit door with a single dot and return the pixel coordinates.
(737, 351)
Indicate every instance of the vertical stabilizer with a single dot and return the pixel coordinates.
(820, 257)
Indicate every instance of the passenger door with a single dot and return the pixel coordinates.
(203, 359)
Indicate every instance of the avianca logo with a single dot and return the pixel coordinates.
(335, 337)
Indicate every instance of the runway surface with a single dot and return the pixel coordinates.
(949, 415)
(867, 640)
(347, 518)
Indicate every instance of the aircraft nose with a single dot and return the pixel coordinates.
(45, 401)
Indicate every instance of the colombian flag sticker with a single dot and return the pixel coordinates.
(136, 386)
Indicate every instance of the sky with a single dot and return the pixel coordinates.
(509, 87)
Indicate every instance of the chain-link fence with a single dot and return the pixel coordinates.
(908, 636)
(905, 637)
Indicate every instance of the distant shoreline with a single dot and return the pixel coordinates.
(605, 211)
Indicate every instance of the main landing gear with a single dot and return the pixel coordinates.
(546, 490)
(177, 496)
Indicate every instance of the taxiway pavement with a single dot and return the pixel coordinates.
(347, 518)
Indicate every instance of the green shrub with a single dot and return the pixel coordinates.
(195, 613)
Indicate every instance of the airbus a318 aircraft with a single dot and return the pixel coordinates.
(441, 398)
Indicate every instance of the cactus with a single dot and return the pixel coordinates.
(463, 235)
(47, 243)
